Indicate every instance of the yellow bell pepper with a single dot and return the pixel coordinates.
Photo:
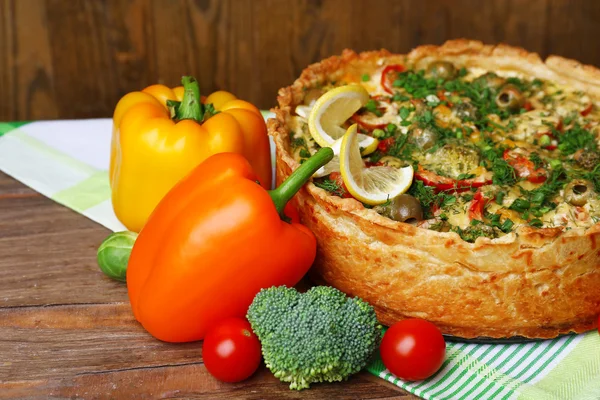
(161, 134)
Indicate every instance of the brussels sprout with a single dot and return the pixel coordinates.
(114, 252)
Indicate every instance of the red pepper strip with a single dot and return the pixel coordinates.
(385, 82)
(385, 144)
(525, 167)
(363, 122)
(587, 110)
(443, 183)
(559, 126)
(477, 206)
(528, 106)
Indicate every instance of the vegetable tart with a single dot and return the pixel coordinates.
(499, 233)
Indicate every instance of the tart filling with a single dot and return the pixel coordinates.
(491, 151)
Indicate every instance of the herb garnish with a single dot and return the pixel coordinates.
(331, 186)
(576, 138)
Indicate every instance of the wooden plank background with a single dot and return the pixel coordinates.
(76, 58)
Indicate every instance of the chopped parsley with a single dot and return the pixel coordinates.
(331, 186)
(415, 84)
(404, 112)
(536, 160)
(371, 106)
(504, 173)
(576, 138)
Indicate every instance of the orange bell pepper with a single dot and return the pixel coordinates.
(161, 134)
(212, 243)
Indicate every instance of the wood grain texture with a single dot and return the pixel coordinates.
(75, 59)
(67, 331)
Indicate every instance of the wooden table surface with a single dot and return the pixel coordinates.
(67, 331)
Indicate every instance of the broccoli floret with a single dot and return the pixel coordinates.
(317, 336)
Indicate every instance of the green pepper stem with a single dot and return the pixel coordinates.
(298, 178)
(190, 107)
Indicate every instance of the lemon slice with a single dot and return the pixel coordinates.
(366, 143)
(332, 110)
(374, 185)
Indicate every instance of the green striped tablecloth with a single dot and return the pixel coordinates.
(68, 161)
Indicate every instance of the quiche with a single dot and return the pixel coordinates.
(499, 233)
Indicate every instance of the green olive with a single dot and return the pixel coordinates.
(424, 138)
(404, 208)
(579, 191)
(113, 254)
(489, 80)
(466, 111)
(510, 98)
(441, 70)
(587, 159)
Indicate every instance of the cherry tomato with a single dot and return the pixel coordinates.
(413, 349)
(389, 75)
(231, 351)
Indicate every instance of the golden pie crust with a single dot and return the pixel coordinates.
(535, 283)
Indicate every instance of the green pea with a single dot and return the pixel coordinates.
(545, 141)
(114, 252)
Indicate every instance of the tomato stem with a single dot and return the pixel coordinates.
(191, 107)
(298, 178)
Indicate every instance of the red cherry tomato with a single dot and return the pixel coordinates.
(413, 349)
(231, 351)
